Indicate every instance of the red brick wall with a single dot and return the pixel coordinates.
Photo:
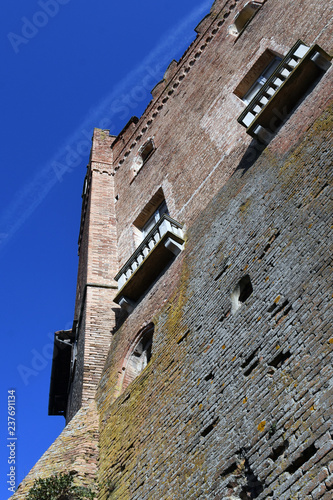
(216, 413)
(213, 410)
(194, 121)
(97, 268)
(235, 404)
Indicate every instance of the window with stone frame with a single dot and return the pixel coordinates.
(138, 356)
(161, 210)
(257, 75)
(149, 216)
(144, 153)
(261, 80)
(243, 17)
(280, 87)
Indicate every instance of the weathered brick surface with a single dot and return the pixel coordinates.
(194, 120)
(233, 403)
(76, 449)
(206, 405)
(98, 264)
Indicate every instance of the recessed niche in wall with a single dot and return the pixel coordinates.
(138, 356)
(243, 17)
(241, 293)
(143, 155)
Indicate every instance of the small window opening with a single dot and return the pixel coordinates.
(139, 356)
(241, 293)
(144, 154)
(73, 359)
(147, 150)
(85, 186)
(261, 80)
(243, 18)
(149, 216)
(257, 76)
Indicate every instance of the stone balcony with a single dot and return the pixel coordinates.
(159, 247)
(290, 81)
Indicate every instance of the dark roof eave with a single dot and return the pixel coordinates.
(60, 371)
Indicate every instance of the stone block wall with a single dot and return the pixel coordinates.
(236, 403)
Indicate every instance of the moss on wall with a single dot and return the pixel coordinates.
(224, 385)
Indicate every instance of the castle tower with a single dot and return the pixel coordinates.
(213, 214)
(80, 353)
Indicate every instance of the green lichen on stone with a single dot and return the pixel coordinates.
(244, 206)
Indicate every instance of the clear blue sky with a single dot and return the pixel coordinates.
(67, 66)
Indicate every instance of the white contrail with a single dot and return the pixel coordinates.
(75, 149)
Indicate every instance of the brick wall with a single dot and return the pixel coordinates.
(236, 403)
(193, 120)
(95, 310)
(76, 449)
(232, 404)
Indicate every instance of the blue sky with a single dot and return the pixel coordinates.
(68, 66)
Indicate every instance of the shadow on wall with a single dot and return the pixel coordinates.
(120, 316)
(250, 156)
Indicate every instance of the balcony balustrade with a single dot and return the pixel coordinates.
(162, 243)
(291, 79)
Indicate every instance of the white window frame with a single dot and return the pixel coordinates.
(254, 89)
(148, 226)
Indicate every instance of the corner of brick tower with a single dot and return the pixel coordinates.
(95, 311)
